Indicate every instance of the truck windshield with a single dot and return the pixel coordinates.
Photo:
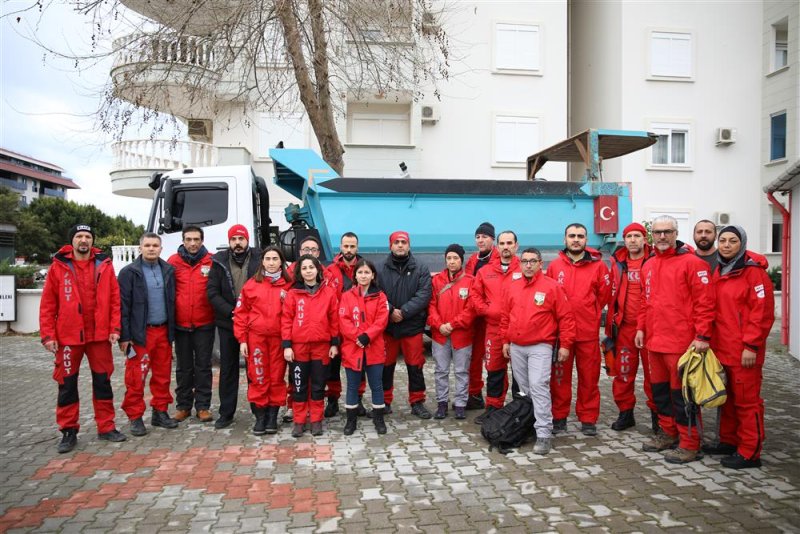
(201, 206)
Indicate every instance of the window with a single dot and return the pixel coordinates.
(777, 136)
(515, 138)
(777, 231)
(274, 127)
(672, 146)
(381, 21)
(780, 43)
(671, 54)
(203, 206)
(517, 47)
(378, 124)
(683, 216)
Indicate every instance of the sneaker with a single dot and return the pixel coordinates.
(660, 442)
(316, 428)
(182, 415)
(223, 421)
(204, 416)
(69, 439)
(479, 420)
(559, 425)
(588, 429)
(419, 409)
(682, 456)
(461, 412)
(332, 408)
(288, 417)
(441, 411)
(737, 461)
(624, 421)
(163, 420)
(475, 402)
(542, 446)
(298, 429)
(726, 449)
(113, 435)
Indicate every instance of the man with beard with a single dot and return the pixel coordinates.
(584, 277)
(486, 295)
(230, 269)
(407, 285)
(705, 235)
(194, 327)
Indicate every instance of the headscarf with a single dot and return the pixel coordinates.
(737, 262)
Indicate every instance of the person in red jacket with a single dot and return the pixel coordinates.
(745, 311)
(194, 327)
(677, 313)
(79, 314)
(363, 316)
(450, 317)
(484, 241)
(257, 326)
(486, 297)
(623, 312)
(580, 271)
(309, 330)
(535, 315)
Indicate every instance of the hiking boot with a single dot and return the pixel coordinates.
(461, 412)
(360, 410)
(350, 424)
(271, 423)
(205, 416)
(298, 429)
(224, 421)
(479, 420)
(543, 446)
(182, 415)
(69, 439)
(419, 409)
(260, 428)
(725, 449)
(588, 429)
(114, 436)
(475, 402)
(377, 420)
(737, 461)
(559, 425)
(682, 456)
(316, 428)
(660, 442)
(288, 417)
(625, 420)
(441, 411)
(163, 420)
(332, 408)
(654, 424)
(138, 428)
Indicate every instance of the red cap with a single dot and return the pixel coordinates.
(238, 229)
(634, 227)
(400, 234)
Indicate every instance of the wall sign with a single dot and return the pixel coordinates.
(8, 298)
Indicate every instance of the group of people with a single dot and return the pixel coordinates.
(297, 325)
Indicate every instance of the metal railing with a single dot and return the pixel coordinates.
(165, 48)
(162, 154)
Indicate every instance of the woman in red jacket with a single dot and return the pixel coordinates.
(363, 316)
(309, 329)
(257, 326)
(745, 312)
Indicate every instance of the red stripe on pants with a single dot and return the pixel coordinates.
(586, 355)
(742, 415)
(67, 363)
(413, 354)
(627, 363)
(155, 358)
(266, 369)
(664, 368)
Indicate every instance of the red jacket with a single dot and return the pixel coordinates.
(452, 306)
(339, 275)
(310, 318)
(487, 289)
(536, 311)
(192, 307)
(678, 300)
(745, 311)
(61, 310)
(619, 286)
(363, 314)
(587, 284)
(472, 262)
(258, 309)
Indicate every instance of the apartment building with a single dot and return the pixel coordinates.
(31, 178)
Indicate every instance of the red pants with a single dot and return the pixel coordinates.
(496, 369)
(412, 350)
(67, 366)
(742, 415)
(307, 374)
(627, 364)
(586, 355)
(672, 416)
(478, 352)
(266, 369)
(155, 356)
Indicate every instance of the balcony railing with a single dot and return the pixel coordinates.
(123, 255)
(53, 193)
(165, 48)
(13, 184)
(162, 154)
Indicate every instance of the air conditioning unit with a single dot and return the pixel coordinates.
(722, 218)
(429, 113)
(200, 130)
(726, 136)
(430, 26)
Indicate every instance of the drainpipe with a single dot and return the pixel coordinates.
(785, 264)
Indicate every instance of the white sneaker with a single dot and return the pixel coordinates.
(542, 446)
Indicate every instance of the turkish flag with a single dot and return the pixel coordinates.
(606, 218)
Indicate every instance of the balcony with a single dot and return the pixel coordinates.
(166, 73)
(136, 160)
(53, 193)
(196, 18)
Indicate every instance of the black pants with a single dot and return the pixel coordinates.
(228, 372)
(308, 374)
(193, 368)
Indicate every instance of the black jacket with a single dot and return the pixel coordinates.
(220, 286)
(407, 287)
(133, 298)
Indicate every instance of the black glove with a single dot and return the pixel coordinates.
(363, 339)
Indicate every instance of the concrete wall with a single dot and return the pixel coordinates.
(27, 313)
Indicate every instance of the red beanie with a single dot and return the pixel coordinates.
(400, 234)
(238, 229)
(634, 227)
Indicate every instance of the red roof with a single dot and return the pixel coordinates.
(38, 175)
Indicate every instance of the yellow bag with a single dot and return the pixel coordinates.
(702, 379)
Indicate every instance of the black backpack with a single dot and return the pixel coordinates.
(510, 426)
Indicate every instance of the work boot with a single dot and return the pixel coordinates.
(377, 420)
(726, 449)
(660, 442)
(625, 420)
(387, 409)
(332, 407)
(205, 416)
(360, 410)
(559, 425)
(138, 428)
(223, 421)
(69, 439)
(271, 423)
(113, 435)
(542, 446)
(163, 420)
(260, 428)
(441, 411)
(682, 456)
(316, 428)
(655, 425)
(182, 415)
(589, 429)
(350, 424)
(737, 461)
(419, 409)
(461, 412)
(475, 402)
(479, 420)
(298, 429)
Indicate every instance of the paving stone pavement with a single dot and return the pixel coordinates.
(423, 476)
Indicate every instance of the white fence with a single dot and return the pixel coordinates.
(162, 154)
(153, 48)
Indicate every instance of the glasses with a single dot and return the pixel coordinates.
(309, 250)
(663, 232)
(573, 236)
(529, 262)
